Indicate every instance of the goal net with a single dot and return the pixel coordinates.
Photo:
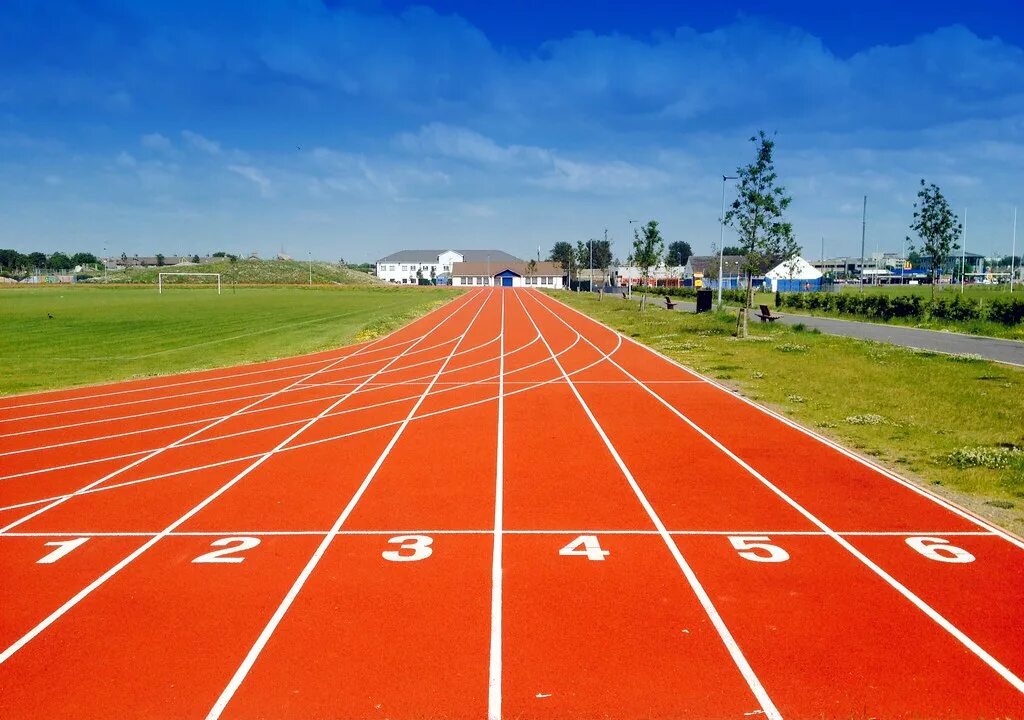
(187, 278)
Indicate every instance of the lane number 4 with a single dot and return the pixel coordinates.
(586, 546)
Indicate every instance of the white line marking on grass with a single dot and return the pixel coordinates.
(494, 667)
(902, 589)
(87, 590)
(289, 598)
(753, 682)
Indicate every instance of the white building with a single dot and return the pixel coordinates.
(402, 267)
(508, 274)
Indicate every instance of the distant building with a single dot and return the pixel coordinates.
(793, 275)
(402, 267)
(507, 274)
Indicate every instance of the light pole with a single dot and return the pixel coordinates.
(629, 279)
(591, 264)
(721, 238)
(1013, 251)
(310, 254)
(963, 255)
(863, 236)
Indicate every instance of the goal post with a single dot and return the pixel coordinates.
(160, 278)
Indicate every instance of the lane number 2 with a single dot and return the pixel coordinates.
(230, 547)
(585, 546)
(410, 548)
(756, 548)
(63, 548)
(939, 550)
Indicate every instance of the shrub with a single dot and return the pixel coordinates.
(1006, 310)
(956, 308)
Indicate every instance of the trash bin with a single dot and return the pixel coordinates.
(703, 301)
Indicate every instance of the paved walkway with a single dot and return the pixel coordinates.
(1004, 351)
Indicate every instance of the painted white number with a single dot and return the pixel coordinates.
(63, 548)
(418, 544)
(747, 544)
(230, 545)
(938, 549)
(586, 545)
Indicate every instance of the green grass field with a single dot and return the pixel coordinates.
(102, 333)
(955, 424)
(251, 272)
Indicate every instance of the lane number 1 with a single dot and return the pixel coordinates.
(63, 548)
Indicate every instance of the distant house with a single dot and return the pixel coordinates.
(402, 267)
(705, 268)
(508, 274)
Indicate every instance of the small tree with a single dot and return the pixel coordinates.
(59, 261)
(936, 227)
(648, 248)
(159, 260)
(757, 216)
(531, 268)
(195, 259)
(678, 253)
(433, 275)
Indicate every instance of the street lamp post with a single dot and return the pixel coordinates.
(310, 254)
(1013, 250)
(721, 239)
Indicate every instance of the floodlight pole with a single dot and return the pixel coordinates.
(963, 255)
(310, 254)
(863, 236)
(721, 239)
(1013, 251)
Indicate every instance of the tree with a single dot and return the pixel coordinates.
(433, 275)
(678, 253)
(59, 261)
(124, 258)
(13, 260)
(195, 259)
(84, 258)
(648, 248)
(936, 227)
(757, 216)
(531, 268)
(562, 253)
(732, 250)
(37, 260)
(159, 260)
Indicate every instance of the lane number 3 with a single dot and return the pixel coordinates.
(410, 548)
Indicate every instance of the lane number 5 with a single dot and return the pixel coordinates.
(756, 548)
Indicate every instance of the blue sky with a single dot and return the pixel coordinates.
(352, 129)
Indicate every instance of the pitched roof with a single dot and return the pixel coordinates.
(493, 268)
(730, 263)
(430, 256)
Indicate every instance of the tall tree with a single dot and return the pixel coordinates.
(757, 215)
(562, 253)
(678, 253)
(37, 260)
(84, 258)
(732, 250)
(59, 261)
(648, 249)
(936, 227)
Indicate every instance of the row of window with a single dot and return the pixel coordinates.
(412, 268)
(539, 280)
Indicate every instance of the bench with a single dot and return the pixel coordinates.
(669, 305)
(766, 315)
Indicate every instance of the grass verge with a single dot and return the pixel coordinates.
(954, 424)
(102, 333)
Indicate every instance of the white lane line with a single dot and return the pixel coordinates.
(149, 454)
(902, 589)
(490, 531)
(494, 668)
(275, 620)
(299, 446)
(753, 682)
(91, 587)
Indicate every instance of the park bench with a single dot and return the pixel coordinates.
(669, 305)
(766, 315)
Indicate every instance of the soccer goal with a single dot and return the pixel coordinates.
(160, 278)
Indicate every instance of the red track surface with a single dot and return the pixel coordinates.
(484, 438)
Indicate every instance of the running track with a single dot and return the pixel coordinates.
(472, 518)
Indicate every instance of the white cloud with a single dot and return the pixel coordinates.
(253, 175)
(157, 142)
(126, 160)
(204, 144)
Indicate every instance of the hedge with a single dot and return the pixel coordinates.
(1004, 310)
